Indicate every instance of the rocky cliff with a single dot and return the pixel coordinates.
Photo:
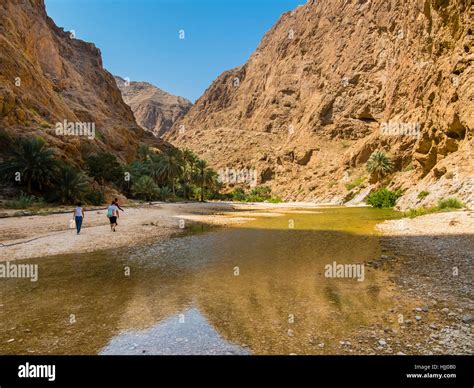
(154, 109)
(48, 76)
(334, 81)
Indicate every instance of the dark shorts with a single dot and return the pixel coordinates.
(113, 220)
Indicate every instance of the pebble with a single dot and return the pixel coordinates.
(382, 342)
(469, 318)
(418, 318)
(10, 340)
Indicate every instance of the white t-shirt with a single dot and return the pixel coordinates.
(78, 211)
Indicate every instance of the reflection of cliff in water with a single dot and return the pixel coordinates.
(279, 303)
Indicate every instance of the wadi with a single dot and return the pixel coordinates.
(299, 183)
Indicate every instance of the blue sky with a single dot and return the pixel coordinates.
(139, 39)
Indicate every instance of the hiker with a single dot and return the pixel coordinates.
(113, 214)
(117, 204)
(78, 216)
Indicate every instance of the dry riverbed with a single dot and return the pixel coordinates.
(430, 259)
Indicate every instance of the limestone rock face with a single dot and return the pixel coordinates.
(333, 81)
(155, 110)
(47, 76)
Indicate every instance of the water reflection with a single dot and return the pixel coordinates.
(279, 303)
(185, 334)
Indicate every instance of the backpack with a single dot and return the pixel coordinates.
(110, 212)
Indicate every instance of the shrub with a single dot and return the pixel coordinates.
(261, 191)
(421, 211)
(95, 198)
(23, 201)
(145, 188)
(443, 205)
(450, 203)
(275, 200)
(423, 194)
(383, 198)
(355, 183)
(69, 186)
(238, 194)
(164, 193)
(104, 167)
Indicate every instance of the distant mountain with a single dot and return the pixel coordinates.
(154, 109)
(49, 76)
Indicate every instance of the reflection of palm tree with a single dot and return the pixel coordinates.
(33, 160)
(206, 177)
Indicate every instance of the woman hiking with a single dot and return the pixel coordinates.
(113, 214)
(78, 216)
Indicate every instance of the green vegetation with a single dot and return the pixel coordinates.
(238, 194)
(379, 164)
(444, 205)
(70, 185)
(171, 174)
(383, 198)
(95, 198)
(355, 183)
(423, 194)
(30, 163)
(257, 194)
(145, 188)
(450, 204)
(23, 201)
(104, 168)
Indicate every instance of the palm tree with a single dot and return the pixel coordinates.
(143, 152)
(70, 185)
(171, 166)
(379, 164)
(145, 188)
(164, 193)
(190, 160)
(205, 176)
(153, 168)
(33, 161)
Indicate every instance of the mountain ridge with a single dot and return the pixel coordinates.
(154, 109)
(313, 101)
